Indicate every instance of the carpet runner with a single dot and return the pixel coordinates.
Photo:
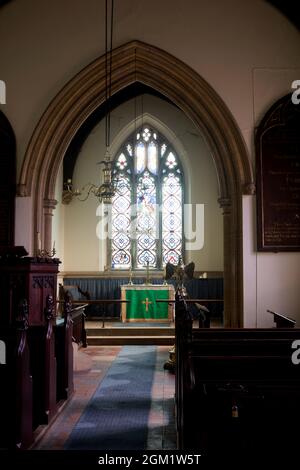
(116, 418)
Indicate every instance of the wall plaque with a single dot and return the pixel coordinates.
(277, 143)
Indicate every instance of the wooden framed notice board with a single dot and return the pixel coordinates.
(277, 143)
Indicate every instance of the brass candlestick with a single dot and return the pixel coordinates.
(147, 273)
(165, 277)
(130, 277)
(46, 253)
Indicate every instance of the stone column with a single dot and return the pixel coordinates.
(49, 206)
(231, 313)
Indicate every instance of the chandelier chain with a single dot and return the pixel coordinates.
(106, 191)
(108, 67)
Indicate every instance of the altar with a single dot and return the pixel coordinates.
(142, 304)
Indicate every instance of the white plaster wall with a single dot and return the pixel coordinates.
(200, 183)
(271, 280)
(23, 229)
(278, 286)
(43, 43)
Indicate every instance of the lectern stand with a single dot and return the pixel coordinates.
(282, 321)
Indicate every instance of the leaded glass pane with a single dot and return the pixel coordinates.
(171, 219)
(171, 161)
(140, 157)
(129, 149)
(146, 134)
(146, 221)
(120, 228)
(121, 162)
(152, 158)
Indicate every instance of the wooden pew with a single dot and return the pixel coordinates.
(16, 385)
(78, 313)
(236, 390)
(64, 352)
(43, 367)
(79, 331)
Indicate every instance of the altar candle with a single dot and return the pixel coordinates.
(39, 243)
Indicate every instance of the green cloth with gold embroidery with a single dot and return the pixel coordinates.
(143, 304)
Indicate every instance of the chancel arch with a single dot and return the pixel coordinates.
(180, 84)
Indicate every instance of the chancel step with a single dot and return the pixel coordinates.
(132, 340)
(131, 331)
(134, 333)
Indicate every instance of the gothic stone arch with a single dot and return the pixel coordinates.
(156, 68)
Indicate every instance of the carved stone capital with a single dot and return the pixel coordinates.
(225, 204)
(250, 189)
(22, 190)
(49, 205)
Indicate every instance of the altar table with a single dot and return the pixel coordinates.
(143, 305)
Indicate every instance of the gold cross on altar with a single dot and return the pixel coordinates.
(147, 303)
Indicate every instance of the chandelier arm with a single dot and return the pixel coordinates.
(91, 187)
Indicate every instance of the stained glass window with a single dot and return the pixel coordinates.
(147, 219)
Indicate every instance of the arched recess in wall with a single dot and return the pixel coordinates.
(163, 72)
(7, 182)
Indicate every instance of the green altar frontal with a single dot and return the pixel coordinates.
(142, 304)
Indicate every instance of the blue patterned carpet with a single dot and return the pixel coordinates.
(116, 418)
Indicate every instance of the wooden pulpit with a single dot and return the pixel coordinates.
(25, 277)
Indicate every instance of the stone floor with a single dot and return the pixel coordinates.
(90, 366)
(161, 432)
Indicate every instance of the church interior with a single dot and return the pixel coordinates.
(149, 226)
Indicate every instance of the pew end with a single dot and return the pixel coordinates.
(236, 390)
(78, 312)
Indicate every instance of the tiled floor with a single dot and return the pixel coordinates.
(161, 433)
(91, 365)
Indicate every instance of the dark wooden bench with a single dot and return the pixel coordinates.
(41, 341)
(79, 332)
(236, 390)
(78, 313)
(64, 352)
(16, 388)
